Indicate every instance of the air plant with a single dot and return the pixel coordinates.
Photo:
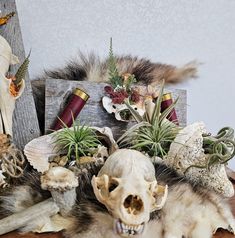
(79, 140)
(219, 149)
(153, 133)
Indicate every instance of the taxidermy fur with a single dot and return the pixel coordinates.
(190, 211)
(93, 69)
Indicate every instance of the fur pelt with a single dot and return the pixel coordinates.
(93, 69)
(190, 210)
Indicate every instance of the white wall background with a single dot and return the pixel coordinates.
(163, 30)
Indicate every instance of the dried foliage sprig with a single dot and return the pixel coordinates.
(21, 72)
(121, 85)
(114, 77)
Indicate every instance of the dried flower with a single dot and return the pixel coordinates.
(135, 96)
(118, 96)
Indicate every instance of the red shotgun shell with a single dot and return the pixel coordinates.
(76, 103)
(166, 102)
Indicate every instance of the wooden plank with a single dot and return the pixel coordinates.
(25, 122)
(93, 114)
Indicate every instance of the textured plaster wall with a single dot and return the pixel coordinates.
(163, 30)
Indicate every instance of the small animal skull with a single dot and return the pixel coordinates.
(127, 186)
(119, 109)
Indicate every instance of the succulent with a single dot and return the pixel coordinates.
(153, 133)
(79, 140)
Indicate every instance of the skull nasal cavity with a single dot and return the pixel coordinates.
(133, 204)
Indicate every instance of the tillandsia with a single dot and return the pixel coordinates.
(153, 132)
(77, 141)
(219, 149)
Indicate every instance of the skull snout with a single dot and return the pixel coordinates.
(133, 204)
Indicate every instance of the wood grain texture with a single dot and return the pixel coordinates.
(93, 113)
(25, 122)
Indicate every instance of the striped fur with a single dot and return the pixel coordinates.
(189, 212)
(93, 69)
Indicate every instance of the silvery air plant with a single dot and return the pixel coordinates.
(192, 151)
(153, 133)
(78, 142)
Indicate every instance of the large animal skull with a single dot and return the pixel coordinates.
(127, 186)
(7, 100)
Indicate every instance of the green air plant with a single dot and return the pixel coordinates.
(153, 133)
(219, 149)
(79, 140)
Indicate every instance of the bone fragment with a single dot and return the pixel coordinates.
(18, 220)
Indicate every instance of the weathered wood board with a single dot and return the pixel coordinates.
(93, 113)
(25, 122)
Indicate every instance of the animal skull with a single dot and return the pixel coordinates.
(127, 186)
(118, 109)
(7, 100)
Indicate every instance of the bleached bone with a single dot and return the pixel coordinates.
(127, 186)
(62, 184)
(46, 208)
(117, 109)
(7, 100)
(7, 103)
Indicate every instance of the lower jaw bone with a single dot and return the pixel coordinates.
(127, 230)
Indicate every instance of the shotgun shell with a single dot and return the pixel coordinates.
(166, 102)
(76, 102)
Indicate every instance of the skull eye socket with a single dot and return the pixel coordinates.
(113, 185)
(125, 114)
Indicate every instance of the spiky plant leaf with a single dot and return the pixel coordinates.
(157, 109)
(151, 135)
(79, 140)
(134, 113)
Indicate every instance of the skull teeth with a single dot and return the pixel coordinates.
(128, 230)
